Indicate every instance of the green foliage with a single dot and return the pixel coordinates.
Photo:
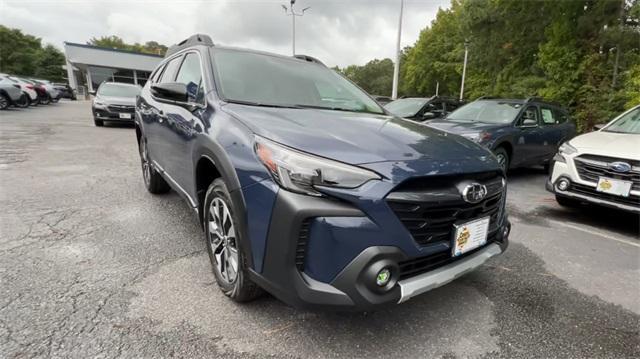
(115, 42)
(22, 54)
(567, 51)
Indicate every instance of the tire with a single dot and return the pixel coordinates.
(224, 246)
(4, 102)
(23, 102)
(55, 100)
(98, 123)
(45, 100)
(153, 181)
(566, 202)
(503, 157)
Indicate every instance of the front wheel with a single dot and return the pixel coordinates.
(23, 101)
(503, 157)
(4, 102)
(224, 245)
(45, 100)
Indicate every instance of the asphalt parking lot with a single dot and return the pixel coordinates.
(91, 265)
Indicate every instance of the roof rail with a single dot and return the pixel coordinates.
(197, 39)
(309, 59)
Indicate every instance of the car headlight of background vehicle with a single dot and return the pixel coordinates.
(99, 103)
(478, 136)
(300, 172)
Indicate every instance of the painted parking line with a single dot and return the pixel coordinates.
(596, 233)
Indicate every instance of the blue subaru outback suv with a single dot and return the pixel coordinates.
(306, 188)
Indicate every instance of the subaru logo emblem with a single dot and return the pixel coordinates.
(622, 167)
(474, 193)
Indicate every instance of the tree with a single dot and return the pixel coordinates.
(115, 42)
(22, 54)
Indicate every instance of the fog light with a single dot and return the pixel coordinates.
(383, 277)
(563, 185)
(505, 232)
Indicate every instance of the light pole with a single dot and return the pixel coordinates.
(291, 12)
(464, 68)
(396, 66)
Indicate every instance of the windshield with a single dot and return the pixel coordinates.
(628, 123)
(118, 90)
(406, 107)
(487, 112)
(265, 80)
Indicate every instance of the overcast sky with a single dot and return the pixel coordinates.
(339, 32)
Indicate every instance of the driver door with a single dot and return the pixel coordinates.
(528, 146)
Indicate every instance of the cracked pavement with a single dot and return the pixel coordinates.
(91, 265)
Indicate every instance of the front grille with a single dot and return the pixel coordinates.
(592, 192)
(429, 214)
(301, 246)
(121, 108)
(591, 168)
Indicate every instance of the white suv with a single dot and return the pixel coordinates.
(601, 167)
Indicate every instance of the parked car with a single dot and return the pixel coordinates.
(306, 187)
(27, 89)
(114, 101)
(66, 91)
(601, 167)
(44, 97)
(519, 132)
(52, 93)
(11, 95)
(423, 108)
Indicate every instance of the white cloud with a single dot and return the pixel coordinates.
(339, 32)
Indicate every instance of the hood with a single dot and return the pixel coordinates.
(610, 144)
(355, 138)
(114, 100)
(463, 127)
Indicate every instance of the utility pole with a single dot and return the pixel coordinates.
(396, 66)
(464, 68)
(291, 12)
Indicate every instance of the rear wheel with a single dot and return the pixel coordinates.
(224, 245)
(503, 157)
(153, 181)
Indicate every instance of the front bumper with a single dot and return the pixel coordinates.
(585, 191)
(104, 113)
(342, 227)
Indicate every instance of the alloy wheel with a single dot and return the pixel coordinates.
(502, 160)
(3, 102)
(222, 240)
(144, 158)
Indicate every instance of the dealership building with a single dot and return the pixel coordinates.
(88, 66)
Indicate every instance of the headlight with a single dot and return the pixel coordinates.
(477, 137)
(300, 172)
(567, 149)
(99, 103)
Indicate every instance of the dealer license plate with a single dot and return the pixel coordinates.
(614, 186)
(470, 235)
(125, 115)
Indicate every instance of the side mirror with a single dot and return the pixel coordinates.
(171, 92)
(529, 122)
(598, 126)
(92, 93)
(428, 116)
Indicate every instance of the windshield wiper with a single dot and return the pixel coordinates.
(338, 109)
(261, 104)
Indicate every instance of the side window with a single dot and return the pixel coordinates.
(529, 117)
(561, 116)
(548, 116)
(156, 75)
(436, 107)
(169, 72)
(191, 75)
(451, 107)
